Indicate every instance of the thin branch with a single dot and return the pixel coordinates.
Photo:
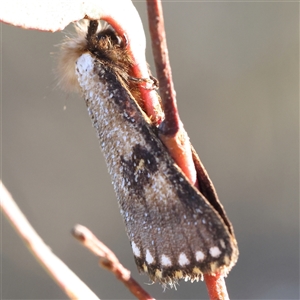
(163, 68)
(172, 132)
(216, 287)
(108, 260)
(64, 277)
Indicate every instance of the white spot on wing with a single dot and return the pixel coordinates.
(183, 260)
(165, 261)
(149, 257)
(135, 249)
(215, 251)
(200, 256)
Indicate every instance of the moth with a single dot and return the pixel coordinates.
(175, 230)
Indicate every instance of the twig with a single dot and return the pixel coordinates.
(216, 287)
(172, 132)
(109, 261)
(64, 277)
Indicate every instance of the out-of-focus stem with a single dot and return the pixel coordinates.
(64, 277)
(109, 260)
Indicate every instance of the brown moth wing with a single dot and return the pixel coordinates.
(174, 231)
(207, 189)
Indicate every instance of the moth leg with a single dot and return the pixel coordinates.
(153, 81)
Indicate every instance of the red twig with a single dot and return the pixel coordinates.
(172, 132)
(163, 68)
(216, 287)
(109, 261)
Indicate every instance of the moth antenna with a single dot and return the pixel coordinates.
(91, 35)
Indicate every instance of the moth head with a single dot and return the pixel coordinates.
(110, 49)
(108, 34)
(105, 44)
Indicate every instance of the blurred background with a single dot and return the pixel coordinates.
(236, 73)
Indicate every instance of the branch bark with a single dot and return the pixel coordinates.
(64, 277)
(109, 261)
